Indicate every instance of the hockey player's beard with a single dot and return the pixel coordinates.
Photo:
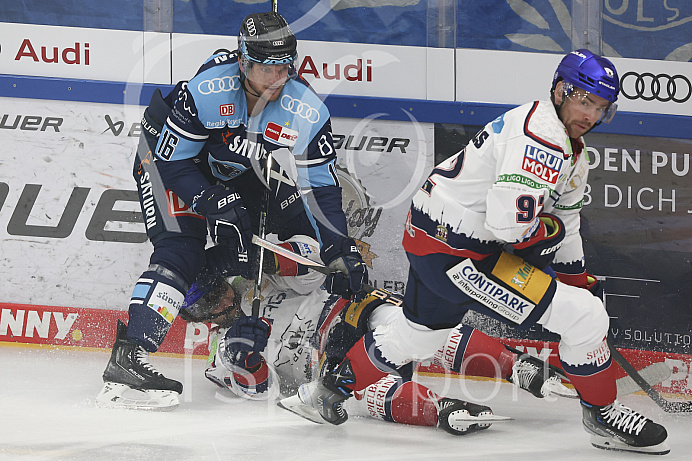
(269, 94)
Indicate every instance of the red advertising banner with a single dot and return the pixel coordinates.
(95, 328)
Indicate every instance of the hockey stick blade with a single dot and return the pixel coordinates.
(654, 374)
(667, 406)
(289, 254)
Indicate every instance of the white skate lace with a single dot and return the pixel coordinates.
(142, 357)
(523, 374)
(623, 418)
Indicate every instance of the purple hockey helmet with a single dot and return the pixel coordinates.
(590, 72)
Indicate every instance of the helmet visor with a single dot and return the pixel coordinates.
(590, 104)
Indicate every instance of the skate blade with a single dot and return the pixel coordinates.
(607, 443)
(295, 405)
(559, 390)
(116, 395)
(463, 417)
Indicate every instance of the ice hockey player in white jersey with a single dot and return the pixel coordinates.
(264, 357)
(303, 329)
(495, 228)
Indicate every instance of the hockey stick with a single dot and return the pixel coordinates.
(257, 297)
(667, 406)
(319, 267)
(275, 6)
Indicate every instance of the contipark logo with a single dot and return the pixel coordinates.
(489, 293)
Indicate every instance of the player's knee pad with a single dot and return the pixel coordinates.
(582, 323)
(183, 255)
(156, 299)
(352, 323)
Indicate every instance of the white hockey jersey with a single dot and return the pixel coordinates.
(491, 192)
(296, 307)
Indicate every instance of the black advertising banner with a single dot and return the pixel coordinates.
(637, 232)
(637, 229)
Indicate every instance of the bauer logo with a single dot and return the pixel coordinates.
(487, 292)
(542, 164)
(281, 135)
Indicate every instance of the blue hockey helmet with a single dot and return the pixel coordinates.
(265, 38)
(590, 72)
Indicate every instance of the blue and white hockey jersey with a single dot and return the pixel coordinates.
(209, 123)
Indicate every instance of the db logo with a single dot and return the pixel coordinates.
(227, 109)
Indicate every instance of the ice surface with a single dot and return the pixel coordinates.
(48, 413)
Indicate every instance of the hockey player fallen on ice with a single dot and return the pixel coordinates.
(303, 326)
(198, 169)
(495, 228)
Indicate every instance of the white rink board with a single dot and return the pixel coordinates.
(92, 154)
(71, 271)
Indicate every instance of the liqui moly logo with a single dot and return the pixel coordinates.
(280, 134)
(542, 164)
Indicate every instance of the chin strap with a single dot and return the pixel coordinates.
(247, 87)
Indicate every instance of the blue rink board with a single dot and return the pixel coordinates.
(462, 113)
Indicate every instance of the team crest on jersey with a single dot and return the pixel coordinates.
(541, 164)
(280, 134)
(441, 233)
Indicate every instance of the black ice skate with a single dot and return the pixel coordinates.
(459, 417)
(539, 378)
(617, 427)
(322, 400)
(130, 381)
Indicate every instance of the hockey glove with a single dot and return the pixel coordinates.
(583, 280)
(240, 351)
(349, 272)
(540, 249)
(227, 218)
(243, 342)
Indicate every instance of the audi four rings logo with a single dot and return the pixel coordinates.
(218, 85)
(251, 29)
(659, 87)
(295, 106)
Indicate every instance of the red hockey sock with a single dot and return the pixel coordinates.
(597, 389)
(405, 403)
(411, 404)
(364, 370)
(486, 356)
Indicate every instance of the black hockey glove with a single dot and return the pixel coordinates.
(540, 249)
(244, 341)
(227, 218)
(349, 272)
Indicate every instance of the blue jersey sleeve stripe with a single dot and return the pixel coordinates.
(185, 134)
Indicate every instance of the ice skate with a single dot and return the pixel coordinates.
(130, 381)
(617, 427)
(539, 378)
(322, 400)
(459, 417)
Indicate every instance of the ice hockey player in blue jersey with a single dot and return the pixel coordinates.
(495, 228)
(199, 171)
